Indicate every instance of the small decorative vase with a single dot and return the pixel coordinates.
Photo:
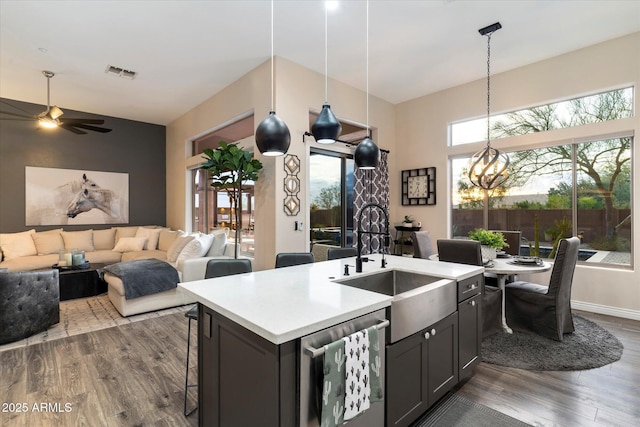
(488, 252)
(416, 224)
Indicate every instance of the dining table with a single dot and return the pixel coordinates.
(505, 266)
(510, 266)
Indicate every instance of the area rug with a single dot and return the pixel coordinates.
(590, 346)
(82, 315)
(456, 411)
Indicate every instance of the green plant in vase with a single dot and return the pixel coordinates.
(491, 241)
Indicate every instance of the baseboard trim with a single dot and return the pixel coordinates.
(604, 309)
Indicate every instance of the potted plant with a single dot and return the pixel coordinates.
(230, 166)
(491, 241)
(407, 221)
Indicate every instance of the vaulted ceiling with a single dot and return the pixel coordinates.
(186, 51)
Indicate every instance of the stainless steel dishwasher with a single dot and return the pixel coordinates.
(311, 375)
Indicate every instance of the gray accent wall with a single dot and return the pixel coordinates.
(131, 147)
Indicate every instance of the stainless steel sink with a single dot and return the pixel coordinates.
(419, 300)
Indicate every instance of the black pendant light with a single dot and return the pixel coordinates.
(367, 153)
(272, 134)
(326, 129)
(488, 167)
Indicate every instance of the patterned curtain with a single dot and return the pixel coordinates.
(371, 186)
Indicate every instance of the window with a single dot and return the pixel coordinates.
(581, 189)
(601, 107)
(331, 195)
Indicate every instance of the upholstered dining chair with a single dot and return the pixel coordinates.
(288, 259)
(29, 303)
(215, 268)
(469, 252)
(337, 253)
(546, 310)
(422, 246)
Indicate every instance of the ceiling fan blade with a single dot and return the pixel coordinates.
(28, 113)
(82, 121)
(89, 127)
(73, 129)
(17, 115)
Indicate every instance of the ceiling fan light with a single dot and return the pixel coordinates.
(272, 136)
(326, 129)
(55, 112)
(48, 122)
(367, 154)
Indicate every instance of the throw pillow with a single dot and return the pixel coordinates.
(152, 235)
(125, 232)
(196, 248)
(166, 238)
(104, 240)
(130, 244)
(15, 245)
(81, 240)
(177, 246)
(219, 243)
(48, 242)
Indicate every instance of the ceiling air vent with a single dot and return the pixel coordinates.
(120, 72)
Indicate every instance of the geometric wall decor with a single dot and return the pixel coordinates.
(291, 184)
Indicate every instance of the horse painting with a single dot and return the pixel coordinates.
(91, 196)
(79, 201)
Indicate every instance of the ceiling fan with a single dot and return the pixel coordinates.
(51, 117)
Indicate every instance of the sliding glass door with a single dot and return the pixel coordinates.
(331, 195)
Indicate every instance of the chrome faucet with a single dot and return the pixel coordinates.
(386, 235)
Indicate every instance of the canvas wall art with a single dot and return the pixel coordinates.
(75, 197)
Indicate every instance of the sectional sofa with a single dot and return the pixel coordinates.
(188, 253)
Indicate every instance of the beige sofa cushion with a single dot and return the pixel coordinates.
(16, 245)
(48, 242)
(125, 232)
(151, 234)
(104, 240)
(103, 256)
(177, 246)
(130, 244)
(81, 240)
(29, 263)
(145, 254)
(166, 238)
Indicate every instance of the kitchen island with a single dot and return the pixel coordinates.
(251, 325)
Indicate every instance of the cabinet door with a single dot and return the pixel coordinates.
(469, 335)
(406, 380)
(442, 371)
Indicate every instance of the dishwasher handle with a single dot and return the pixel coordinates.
(315, 352)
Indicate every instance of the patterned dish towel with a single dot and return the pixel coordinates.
(352, 368)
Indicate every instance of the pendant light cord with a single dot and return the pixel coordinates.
(272, 106)
(367, 70)
(488, 88)
(326, 67)
(48, 94)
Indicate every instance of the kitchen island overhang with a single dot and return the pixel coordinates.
(285, 304)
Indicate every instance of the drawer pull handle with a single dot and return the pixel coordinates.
(426, 335)
(433, 332)
(473, 303)
(472, 287)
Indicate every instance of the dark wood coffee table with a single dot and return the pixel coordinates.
(82, 283)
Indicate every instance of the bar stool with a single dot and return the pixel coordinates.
(288, 259)
(338, 253)
(215, 268)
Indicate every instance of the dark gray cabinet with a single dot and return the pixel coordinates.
(243, 379)
(470, 324)
(420, 370)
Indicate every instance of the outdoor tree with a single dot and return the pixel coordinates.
(329, 199)
(604, 164)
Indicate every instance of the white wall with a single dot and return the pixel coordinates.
(422, 129)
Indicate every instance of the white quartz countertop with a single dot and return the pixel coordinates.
(288, 303)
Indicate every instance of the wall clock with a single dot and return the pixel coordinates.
(419, 186)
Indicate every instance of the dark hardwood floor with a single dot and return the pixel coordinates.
(606, 396)
(133, 375)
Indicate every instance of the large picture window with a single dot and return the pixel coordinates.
(581, 189)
